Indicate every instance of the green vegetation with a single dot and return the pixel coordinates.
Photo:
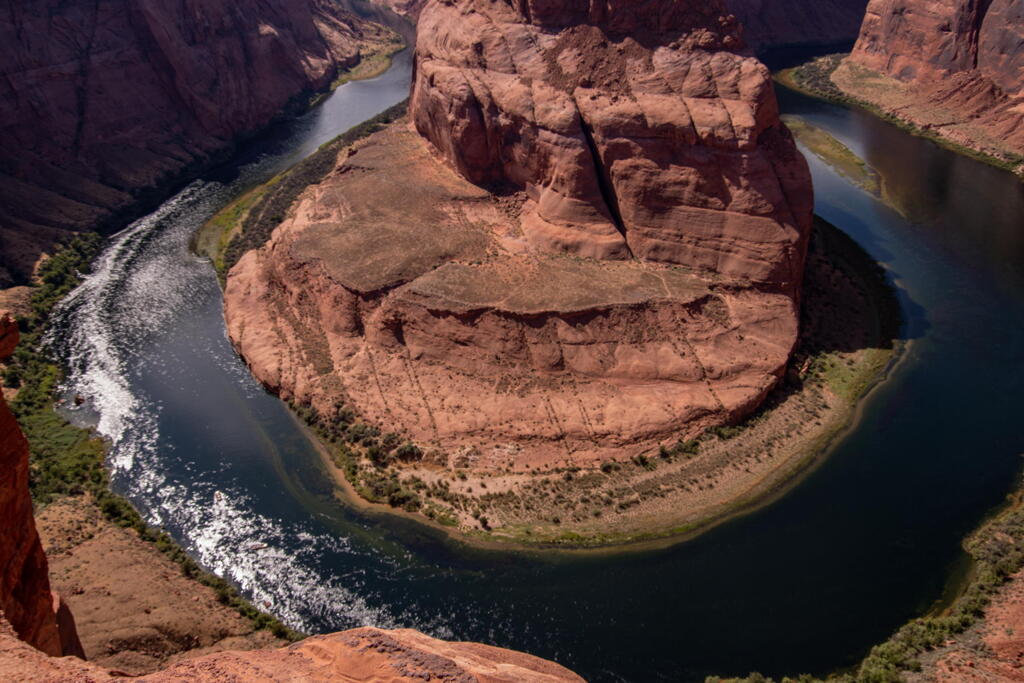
(66, 460)
(372, 64)
(814, 78)
(997, 550)
(248, 222)
(364, 455)
(835, 154)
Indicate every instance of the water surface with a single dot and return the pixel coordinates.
(806, 584)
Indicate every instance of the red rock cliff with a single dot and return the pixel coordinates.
(963, 61)
(35, 613)
(594, 244)
(635, 128)
(104, 99)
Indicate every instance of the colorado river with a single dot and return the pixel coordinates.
(807, 584)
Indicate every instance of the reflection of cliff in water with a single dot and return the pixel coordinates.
(969, 207)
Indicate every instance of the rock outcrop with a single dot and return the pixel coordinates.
(365, 655)
(955, 67)
(35, 613)
(609, 255)
(775, 23)
(105, 101)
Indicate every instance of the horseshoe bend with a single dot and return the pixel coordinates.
(542, 304)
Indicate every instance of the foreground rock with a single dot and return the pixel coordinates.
(365, 655)
(35, 614)
(105, 101)
(127, 597)
(954, 68)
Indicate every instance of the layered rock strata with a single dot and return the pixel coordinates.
(594, 243)
(35, 613)
(104, 101)
(955, 67)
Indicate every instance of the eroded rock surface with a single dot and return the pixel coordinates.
(105, 100)
(365, 655)
(25, 597)
(606, 254)
(961, 62)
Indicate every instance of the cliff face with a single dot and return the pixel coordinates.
(606, 254)
(961, 61)
(635, 130)
(104, 100)
(36, 614)
(772, 23)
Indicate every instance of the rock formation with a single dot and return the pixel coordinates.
(773, 23)
(956, 68)
(104, 101)
(609, 255)
(365, 655)
(35, 613)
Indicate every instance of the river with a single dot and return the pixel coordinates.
(807, 584)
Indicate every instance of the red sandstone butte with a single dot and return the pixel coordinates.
(36, 614)
(595, 242)
(963, 61)
(104, 101)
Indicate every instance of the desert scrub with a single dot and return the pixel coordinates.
(68, 460)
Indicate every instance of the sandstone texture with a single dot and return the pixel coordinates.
(127, 597)
(775, 23)
(955, 67)
(365, 655)
(594, 243)
(35, 613)
(105, 101)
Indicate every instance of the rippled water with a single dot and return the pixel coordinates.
(806, 584)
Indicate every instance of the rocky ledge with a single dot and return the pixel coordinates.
(365, 655)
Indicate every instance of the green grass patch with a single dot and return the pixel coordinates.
(835, 154)
(249, 222)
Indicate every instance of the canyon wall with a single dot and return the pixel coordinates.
(35, 613)
(591, 241)
(957, 68)
(774, 23)
(103, 101)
